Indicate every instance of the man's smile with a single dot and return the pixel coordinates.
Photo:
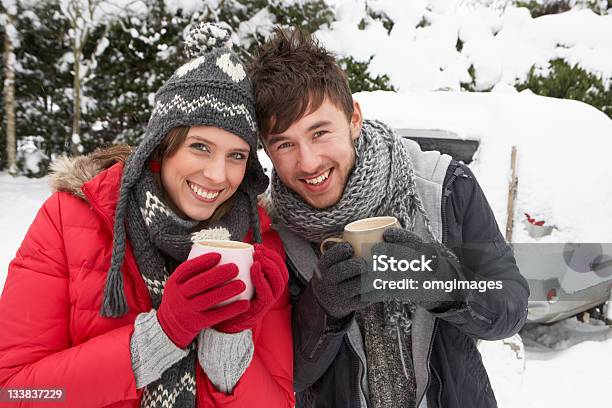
(318, 182)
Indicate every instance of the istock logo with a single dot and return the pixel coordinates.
(383, 263)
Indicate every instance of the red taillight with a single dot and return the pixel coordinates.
(551, 295)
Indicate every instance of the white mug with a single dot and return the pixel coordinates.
(239, 253)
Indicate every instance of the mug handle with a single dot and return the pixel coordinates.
(328, 240)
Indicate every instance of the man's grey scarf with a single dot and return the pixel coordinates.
(161, 240)
(382, 183)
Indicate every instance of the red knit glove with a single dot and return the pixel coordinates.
(191, 293)
(269, 275)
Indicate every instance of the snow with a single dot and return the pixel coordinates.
(420, 51)
(563, 152)
(33, 157)
(188, 6)
(19, 202)
(102, 45)
(261, 23)
(564, 365)
(10, 6)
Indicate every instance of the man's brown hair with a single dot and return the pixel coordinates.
(292, 74)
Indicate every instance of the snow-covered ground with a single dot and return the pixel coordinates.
(566, 365)
(20, 199)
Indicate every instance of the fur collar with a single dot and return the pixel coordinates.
(70, 173)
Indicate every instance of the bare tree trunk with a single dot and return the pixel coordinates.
(76, 117)
(9, 97)
(512, 189)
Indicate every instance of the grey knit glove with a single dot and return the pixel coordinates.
(405, 245)
(337, 283)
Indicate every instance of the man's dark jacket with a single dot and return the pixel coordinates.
(326, 370)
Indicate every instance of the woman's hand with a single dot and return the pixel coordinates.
(190, 296)
(269, 275)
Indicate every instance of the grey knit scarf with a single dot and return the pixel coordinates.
(381, 183)
(161, 240)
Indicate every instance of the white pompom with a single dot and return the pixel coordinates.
(205, 37)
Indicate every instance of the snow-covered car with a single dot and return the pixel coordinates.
(560, 223)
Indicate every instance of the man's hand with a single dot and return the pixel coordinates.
(405, 245)
(337, 283)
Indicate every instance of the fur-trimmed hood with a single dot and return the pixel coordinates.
(69, 174)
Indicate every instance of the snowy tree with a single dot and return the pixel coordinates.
(7, 19)
(44, 81)
(135, 57)
(84, 16)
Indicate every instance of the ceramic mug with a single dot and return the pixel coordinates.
(239, 253)
(363, 234)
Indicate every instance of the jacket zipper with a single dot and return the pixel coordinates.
(433, 336)
(316, 347)
(357, 384)
(440, 390)
(447, 191)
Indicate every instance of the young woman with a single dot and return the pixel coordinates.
(101, 302)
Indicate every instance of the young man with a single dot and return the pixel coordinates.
(331, 167)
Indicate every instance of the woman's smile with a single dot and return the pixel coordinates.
(202, 193)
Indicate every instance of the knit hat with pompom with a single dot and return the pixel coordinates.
(211, 89)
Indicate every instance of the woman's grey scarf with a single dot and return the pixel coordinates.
(382, 183)
(161, 240)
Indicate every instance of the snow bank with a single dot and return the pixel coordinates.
(421, 53)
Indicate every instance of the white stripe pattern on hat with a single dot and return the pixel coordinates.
(188, 106)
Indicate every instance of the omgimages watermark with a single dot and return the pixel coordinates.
(413, 275)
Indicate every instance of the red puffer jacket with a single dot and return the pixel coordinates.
(52, 334)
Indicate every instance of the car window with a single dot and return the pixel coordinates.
(443, 141)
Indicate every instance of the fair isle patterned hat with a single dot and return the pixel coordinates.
(211, 89)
